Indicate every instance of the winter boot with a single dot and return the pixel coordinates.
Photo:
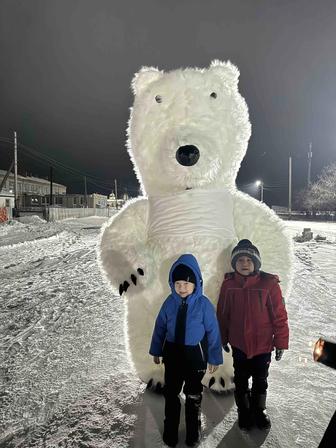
(258, 402)
(172, 421)
(193, 418)
(244, 411)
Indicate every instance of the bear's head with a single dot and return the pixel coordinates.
(189, 128)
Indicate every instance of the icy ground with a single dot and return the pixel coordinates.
(65, 379)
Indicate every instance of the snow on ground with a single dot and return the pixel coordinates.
(65, 379)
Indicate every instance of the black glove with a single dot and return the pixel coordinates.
(226, 348)
(278, 353)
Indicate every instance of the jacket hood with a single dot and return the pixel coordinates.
(190, 261)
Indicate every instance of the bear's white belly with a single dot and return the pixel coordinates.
(197, 213)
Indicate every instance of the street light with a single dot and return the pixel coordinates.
(259, 183)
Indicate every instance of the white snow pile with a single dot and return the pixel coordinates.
(65, 379)
(8, 226)
(32, 219)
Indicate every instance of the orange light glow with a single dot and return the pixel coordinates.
(318, 349)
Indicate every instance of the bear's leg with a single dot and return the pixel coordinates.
(142, 310)
(222, 379)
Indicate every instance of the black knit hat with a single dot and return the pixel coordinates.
(246, 248)
(184, 273)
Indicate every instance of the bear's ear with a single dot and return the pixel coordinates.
(227, 71)
(144, 77)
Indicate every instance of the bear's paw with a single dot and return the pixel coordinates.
(220, 381)
(132, 280)
(155, 379)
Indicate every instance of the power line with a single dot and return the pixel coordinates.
(37, 156)
(43, 158)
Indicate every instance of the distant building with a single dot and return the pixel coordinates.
(113, 203)
(31, 191)
(35, 192)
(94, 200)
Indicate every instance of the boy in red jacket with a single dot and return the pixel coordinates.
(253, 319)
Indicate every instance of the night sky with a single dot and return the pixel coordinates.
(66, 68)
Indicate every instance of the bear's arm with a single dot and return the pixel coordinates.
(258, 223)
(122, 247)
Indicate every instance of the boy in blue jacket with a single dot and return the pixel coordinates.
(187, 337)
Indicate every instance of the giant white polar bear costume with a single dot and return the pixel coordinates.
(188, 133)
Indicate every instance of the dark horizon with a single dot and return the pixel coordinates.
(68, 67)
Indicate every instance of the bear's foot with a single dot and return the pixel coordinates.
(156, 387)
(155, 379)
(220, 381)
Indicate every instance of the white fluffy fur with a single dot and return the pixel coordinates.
(220, 128)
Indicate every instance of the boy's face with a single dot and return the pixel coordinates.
(244, 265)
(184, 289)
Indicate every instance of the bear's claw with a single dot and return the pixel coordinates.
(221, 381)
(123, 287)
(211, 382)
(218, 383)
(157, 388)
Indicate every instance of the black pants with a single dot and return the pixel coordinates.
(177, 374)
(256, 367)
(329, 437)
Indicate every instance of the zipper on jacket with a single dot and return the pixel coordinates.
(202, 354)
(260, 299)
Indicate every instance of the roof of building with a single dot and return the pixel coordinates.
(31, 178)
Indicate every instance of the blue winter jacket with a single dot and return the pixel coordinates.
(201, 319)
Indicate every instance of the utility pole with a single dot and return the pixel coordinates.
(310, 155)
(290, 185)
(260, 183)
(116, 192)
(85, 192)
(15, 172)
(51, 186)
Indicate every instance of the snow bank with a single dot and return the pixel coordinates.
(32, 219)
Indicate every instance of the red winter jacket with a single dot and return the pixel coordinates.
(252, 314)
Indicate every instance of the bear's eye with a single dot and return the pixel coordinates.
(213, 95)
(158, 98)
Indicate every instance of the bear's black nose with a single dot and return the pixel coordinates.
(187, 155)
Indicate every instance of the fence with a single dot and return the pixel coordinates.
(59, 213)
(306, 216)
